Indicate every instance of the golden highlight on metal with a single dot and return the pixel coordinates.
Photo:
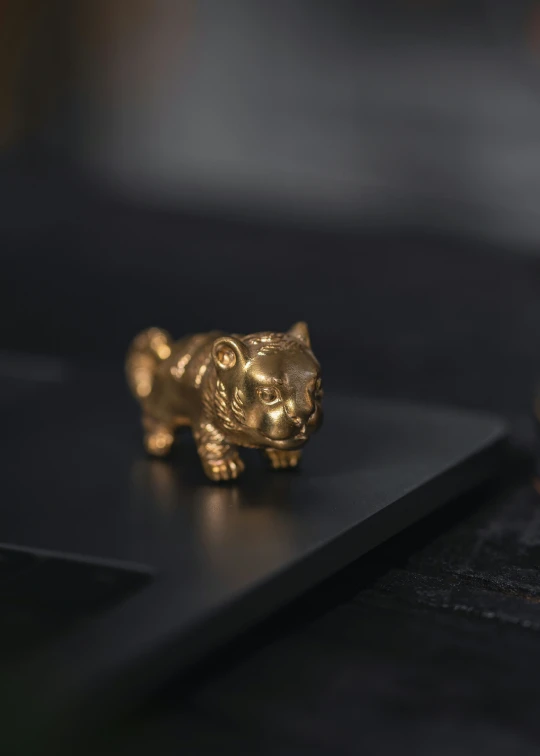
(261, 391)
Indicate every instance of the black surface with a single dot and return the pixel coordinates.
(222, 556)
(43, 594)
(427, 646)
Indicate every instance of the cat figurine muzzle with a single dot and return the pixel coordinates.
(261, 391)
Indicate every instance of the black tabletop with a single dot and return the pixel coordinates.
(430, 644)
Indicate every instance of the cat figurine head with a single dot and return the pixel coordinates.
(268, 391)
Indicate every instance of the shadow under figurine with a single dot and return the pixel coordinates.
(261, 391)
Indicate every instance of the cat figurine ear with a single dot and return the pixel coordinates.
(300, 331)
(229, 351)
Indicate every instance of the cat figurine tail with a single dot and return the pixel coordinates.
(146, 352)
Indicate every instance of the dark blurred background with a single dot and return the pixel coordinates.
(173, 162)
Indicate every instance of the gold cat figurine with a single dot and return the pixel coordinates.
(261, 391)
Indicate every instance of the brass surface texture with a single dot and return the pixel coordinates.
(260, 391)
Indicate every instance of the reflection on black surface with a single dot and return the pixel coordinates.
(252, 516)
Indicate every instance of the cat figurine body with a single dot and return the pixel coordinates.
(261, 391)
